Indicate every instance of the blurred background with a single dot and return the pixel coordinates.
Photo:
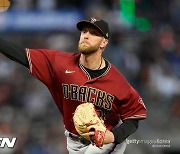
(144, 46)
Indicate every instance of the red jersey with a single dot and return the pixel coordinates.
(70, 85)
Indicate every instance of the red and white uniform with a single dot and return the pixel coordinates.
(70, 85)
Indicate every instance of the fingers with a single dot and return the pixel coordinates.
(91, 135)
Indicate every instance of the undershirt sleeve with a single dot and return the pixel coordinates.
(124, 130)
(13, 52)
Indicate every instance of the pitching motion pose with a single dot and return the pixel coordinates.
(100, 109)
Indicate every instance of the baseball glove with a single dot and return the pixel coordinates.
(86, 120)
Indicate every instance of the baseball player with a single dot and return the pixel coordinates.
(76, 78)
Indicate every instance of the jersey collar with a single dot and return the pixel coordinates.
(88, 75)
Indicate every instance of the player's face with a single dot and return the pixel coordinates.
(90, 40)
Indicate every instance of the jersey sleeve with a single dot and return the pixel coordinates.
(40, 64)
(132, 107)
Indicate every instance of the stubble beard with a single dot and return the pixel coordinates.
(87, 49)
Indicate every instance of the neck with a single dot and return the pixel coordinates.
(94, 62)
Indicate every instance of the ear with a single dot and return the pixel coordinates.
(104, 43)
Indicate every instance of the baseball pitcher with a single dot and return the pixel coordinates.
(100, 109)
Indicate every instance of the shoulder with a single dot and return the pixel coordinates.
(120, 82)
(53, 55)
(66, 57)
(116, 73)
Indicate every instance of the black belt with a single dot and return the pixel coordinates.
(79, 139)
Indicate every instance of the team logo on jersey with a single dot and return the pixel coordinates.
(98, 97)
